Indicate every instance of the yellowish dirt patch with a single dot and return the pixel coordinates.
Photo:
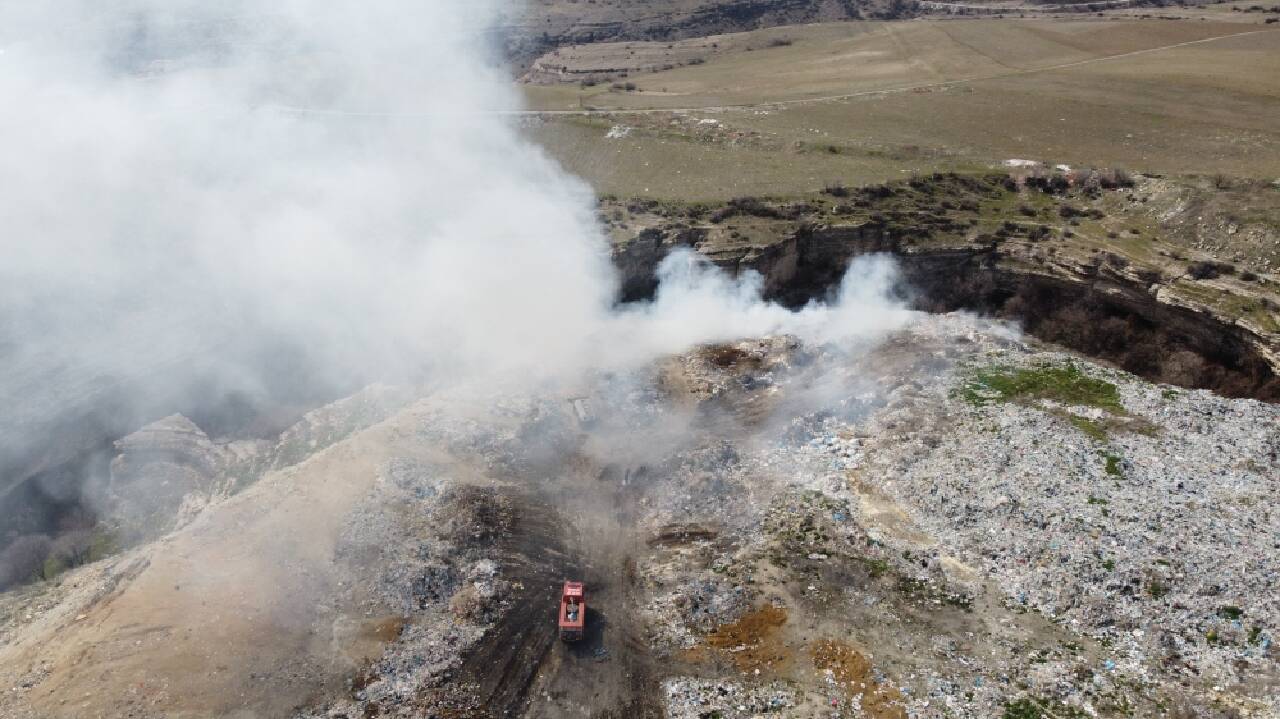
(752, 642)
(851, 670)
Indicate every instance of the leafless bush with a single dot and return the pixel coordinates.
(1183, 368)
(1209, 270)
(23, 559)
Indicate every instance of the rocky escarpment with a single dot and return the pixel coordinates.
(1144, 316)
(552, 23)
(157, 469)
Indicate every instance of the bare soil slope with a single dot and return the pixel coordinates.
(237, 615)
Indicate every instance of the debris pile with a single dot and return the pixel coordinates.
(950, 524)
(1155, 535)
(688, 698)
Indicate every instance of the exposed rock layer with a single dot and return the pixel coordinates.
(1111, 310)
(547, 25)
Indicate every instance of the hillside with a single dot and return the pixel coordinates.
(546, 24)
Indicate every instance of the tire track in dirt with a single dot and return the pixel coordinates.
(575, 526)
(503, 665)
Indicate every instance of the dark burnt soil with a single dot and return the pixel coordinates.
(574, 526)
(503, 666)
(675, 535)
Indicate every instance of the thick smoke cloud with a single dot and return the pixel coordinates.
(213, 198)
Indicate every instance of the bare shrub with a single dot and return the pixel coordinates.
(1204, 270)
(1183, 368)
(23, 560)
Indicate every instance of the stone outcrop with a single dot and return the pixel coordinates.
(1123, 311)
(548, 25)
(158, 468)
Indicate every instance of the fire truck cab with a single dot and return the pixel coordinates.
(573, 612)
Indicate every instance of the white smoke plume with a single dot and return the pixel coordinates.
(211, 197)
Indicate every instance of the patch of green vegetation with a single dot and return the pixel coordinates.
(1157, 589)
(1255, 634)
(1170, 394)
(1035, 708)
(1231, 303)
(1091, 428)
(1112, 465)
(100, 544)
(1230, 612)
(1061, 383)
(1211, 636)
(1109, 564)
(875, 567)
(1101, 430)
(1098, 500)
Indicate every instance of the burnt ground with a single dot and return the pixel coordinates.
(501, 668)
(576, 525)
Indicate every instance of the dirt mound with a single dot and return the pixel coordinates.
(752, 643)
(852, 672)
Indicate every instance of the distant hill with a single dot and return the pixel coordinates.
(546, 24)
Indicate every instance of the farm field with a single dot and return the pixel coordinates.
(1151, 95)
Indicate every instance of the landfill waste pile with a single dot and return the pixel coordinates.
(950, 523)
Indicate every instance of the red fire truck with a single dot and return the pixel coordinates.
(573, 612)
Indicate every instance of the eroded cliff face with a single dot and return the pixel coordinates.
(1138, 315)
(548, 24)
(158, 467)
